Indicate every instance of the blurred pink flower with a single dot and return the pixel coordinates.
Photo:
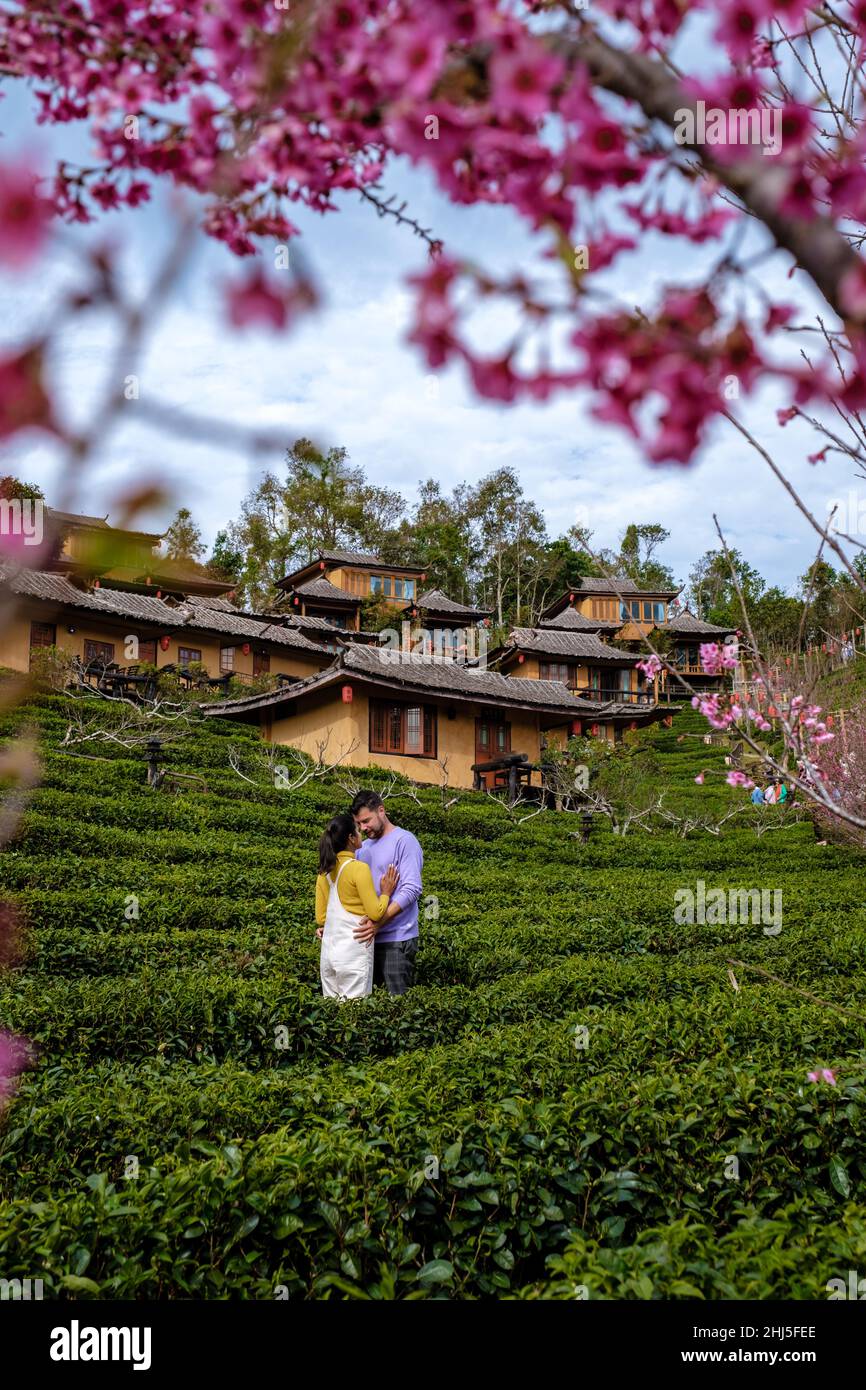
(825, 1074)
(14, 1057)
(24, 215)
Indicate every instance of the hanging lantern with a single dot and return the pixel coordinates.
(321, 564)
(159, 593)
(96, 583)
(521, 658)
(165, 643)
(423, 578)
(594, 730)
(347, 694)
(668, 720)
(296, 600)
(571, 598)
(576, 728)
(633, 726)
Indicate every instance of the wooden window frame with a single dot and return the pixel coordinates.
(106, 655)
(193, 656)
(388, 733)
(261, 663)
(545, 669)
(47, 630)
(227, 660)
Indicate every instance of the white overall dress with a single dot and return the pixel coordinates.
(346, 965)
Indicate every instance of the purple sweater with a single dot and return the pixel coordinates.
(401, 848)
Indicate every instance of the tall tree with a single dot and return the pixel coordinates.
(183, 540)
(713, 591)
(638, 546)
(439, 535)
(324, 503)
(511, 539)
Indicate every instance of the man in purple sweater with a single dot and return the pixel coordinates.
(396, 936)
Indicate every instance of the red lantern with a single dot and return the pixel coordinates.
(246, 649)
(159, 593)
(571, 598)
(96, 583)
(576, 728)
(165, 643)
(423, 578)
(296, 600)
(594, 730)
(321, 564)
(521, 658)
(633, 726)
(668, 720)
(347, 694)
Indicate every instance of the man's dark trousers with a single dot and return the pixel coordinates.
(394, 964)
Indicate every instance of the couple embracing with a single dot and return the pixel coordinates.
(367, 897)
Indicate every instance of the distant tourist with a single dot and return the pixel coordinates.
(757, 797)
(781, 793)
(345, 897)
(770, 795)
(395, 935)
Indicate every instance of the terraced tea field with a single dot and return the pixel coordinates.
(574, 1098)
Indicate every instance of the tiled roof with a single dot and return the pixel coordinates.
(101, 523)
(57, 589)
(312, 622)
(420, 674)
(619, 584)
(572, 621)
(566, 644)
(435, 601)
(235, 625)
(75, 518)
(686, 624)
(324, 589)
(225, 605)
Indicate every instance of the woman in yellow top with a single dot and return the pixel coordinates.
(345, 894)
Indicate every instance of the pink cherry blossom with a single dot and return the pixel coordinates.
(15, 1055)
(24, 215)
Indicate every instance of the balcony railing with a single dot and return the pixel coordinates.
(625, 697)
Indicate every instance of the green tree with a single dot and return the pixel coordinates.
(13, 487)
(183, 539)
(712, 589)
(511, 539)
(438, 535)
(226, 560)
(324, 503)
(636, 556)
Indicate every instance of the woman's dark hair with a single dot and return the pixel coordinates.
(338, 833)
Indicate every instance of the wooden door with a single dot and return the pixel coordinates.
(492, 739)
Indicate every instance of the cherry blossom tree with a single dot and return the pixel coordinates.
(735, 126)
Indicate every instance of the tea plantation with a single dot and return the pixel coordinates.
(577, 1098)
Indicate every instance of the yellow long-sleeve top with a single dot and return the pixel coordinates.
(355, 890)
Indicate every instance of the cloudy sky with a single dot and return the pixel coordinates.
(347, 376)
